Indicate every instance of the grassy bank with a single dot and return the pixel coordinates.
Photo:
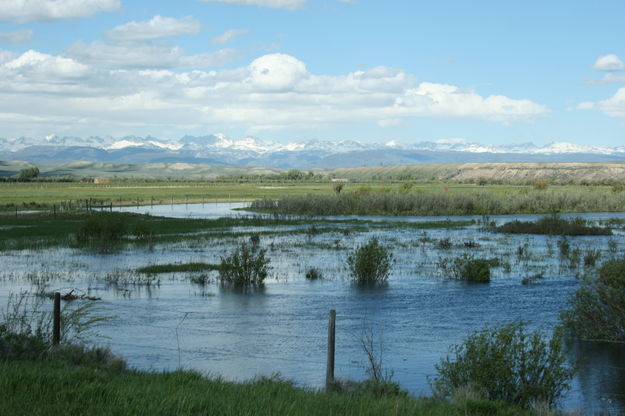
(38, 388)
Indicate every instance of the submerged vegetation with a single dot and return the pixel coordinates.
(552, 225)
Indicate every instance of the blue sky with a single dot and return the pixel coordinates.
(491, 72)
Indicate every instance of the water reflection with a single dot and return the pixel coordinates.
(601, 380)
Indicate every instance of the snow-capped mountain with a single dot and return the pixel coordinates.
(220, 149)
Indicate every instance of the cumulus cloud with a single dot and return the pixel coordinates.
(227, 36)
(274, 91)
(22, 11)
(155, 28)
(609, 62)
(17, 37)
(613, 106)
(275, 4)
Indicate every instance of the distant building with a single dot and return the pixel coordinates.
(100, 180)
(340, 180)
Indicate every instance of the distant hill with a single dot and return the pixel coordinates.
(148, 171)
(505, 172)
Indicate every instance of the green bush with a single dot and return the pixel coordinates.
(476, 270)
(468, 268)
(506, 362)
(246, 266)
(370, 262)
(597, 310)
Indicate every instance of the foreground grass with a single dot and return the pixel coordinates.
(44, 388)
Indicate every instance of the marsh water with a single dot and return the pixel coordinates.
(167, 321)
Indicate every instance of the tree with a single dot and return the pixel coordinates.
(28, 174)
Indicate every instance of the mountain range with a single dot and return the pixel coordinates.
(218, 149)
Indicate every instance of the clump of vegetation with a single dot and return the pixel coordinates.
(370, 262)
(177, 267)
(468, 268)
(541, 184)
(102, 228)
(532, 279)
(596, 311)
(506, 362)
(313, 274)
(591, 257)
(444, 244)
(476, 270)
(552, 225)
(246, 266)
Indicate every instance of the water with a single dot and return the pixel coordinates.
(283, 327)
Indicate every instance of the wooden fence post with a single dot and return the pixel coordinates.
(331, 339)
(56, 326)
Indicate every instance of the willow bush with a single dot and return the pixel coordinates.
(370, 262)
(467, 202)
(597, 310)
(506, 362)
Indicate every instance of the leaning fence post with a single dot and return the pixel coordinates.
(56, 327)
(331, 338)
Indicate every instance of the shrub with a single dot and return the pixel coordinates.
(246, 266)
(596, 309)
(370, 262)
(468, 268)
(476, 270)
(506, 362)
(313, 274)
(541, 184)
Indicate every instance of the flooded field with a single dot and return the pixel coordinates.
(186, 319)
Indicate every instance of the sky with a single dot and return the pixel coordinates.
(487, 71)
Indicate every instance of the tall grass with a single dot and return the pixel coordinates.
(40, 388)
(468, 202)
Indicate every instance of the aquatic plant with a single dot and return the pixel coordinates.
(370, 262)
(246, 266)
(313, 273)
(552, 225)
(506, 362)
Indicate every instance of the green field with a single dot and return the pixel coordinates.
(166, 192)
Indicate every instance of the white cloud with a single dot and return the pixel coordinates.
(146, 55)
(17, 37)
(22, 11)
(276, 72)
(275, 4)
(274, 91)
(609, 62)
(613, 106)
(228, 35)
(5, 56)
(157, 27)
